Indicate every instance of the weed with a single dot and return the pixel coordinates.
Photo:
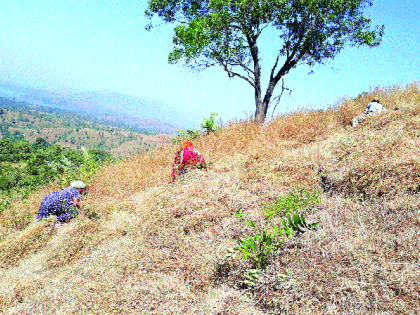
(296, 200)
(207, 126)
(265, 241)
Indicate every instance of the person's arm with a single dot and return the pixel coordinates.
(72, 212)
(201, 159)
(203, 162)
(175, 166)
(76, 202)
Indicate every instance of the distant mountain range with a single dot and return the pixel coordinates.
(141, 113)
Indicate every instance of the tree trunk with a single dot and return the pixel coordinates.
(261, 105)
(260, 109)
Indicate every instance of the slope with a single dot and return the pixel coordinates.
(142, 246)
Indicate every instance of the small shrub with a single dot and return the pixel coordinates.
(293, 202)
(185, 135)
(207, 126)
(265, 241)
(269, 239)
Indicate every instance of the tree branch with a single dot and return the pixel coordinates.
(274, 67)
(278, 97)
(232, 74)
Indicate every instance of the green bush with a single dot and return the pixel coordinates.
(25, 166)
(6, 182)
(293, 202)
(268, 239)
(207, 126)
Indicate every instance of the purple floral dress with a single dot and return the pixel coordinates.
(60, 204)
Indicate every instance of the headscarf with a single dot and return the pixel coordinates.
(77, 184)
(188, 144)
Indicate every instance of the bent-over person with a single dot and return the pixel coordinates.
(188, 157)
(63, 203)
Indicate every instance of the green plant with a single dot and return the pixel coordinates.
(227, 34)
(185, 135)
(268, 239)
(265, 241)
(251, 276)
(296, 200)
(209, 125)
(84, 172)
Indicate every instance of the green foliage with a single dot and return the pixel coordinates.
(268, 239)
(207, 126)
(217, 32)
(225, 33)
(296, 200)
(84, 171)
(40, 143)
(6, 182)
(25, 166)
(251, 276)
(185, 135)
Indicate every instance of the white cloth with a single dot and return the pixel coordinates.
(373, 108)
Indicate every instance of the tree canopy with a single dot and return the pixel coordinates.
(225, 33)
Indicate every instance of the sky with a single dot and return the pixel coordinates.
(103, 45)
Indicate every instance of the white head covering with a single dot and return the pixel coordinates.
(77, 184)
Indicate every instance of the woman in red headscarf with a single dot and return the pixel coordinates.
(187, 157)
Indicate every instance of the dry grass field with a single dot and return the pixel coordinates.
(144, 246)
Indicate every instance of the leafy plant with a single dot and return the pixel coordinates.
(267, 240)
(85, 171)
(251, 276)
(185, 135)
(207, 126)
(293, 202)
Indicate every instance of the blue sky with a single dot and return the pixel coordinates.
(102, 44)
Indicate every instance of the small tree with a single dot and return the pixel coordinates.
(209, 124)
(225, 33)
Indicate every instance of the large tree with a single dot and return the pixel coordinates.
(225, 33)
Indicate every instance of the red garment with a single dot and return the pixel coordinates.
(189, 157)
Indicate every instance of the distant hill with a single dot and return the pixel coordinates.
(20, 120)
(139, 113)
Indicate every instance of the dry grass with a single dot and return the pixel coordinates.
(143, 246)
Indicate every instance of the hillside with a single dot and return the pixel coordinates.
(107, 107)
(72, 130)
(143, 246)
